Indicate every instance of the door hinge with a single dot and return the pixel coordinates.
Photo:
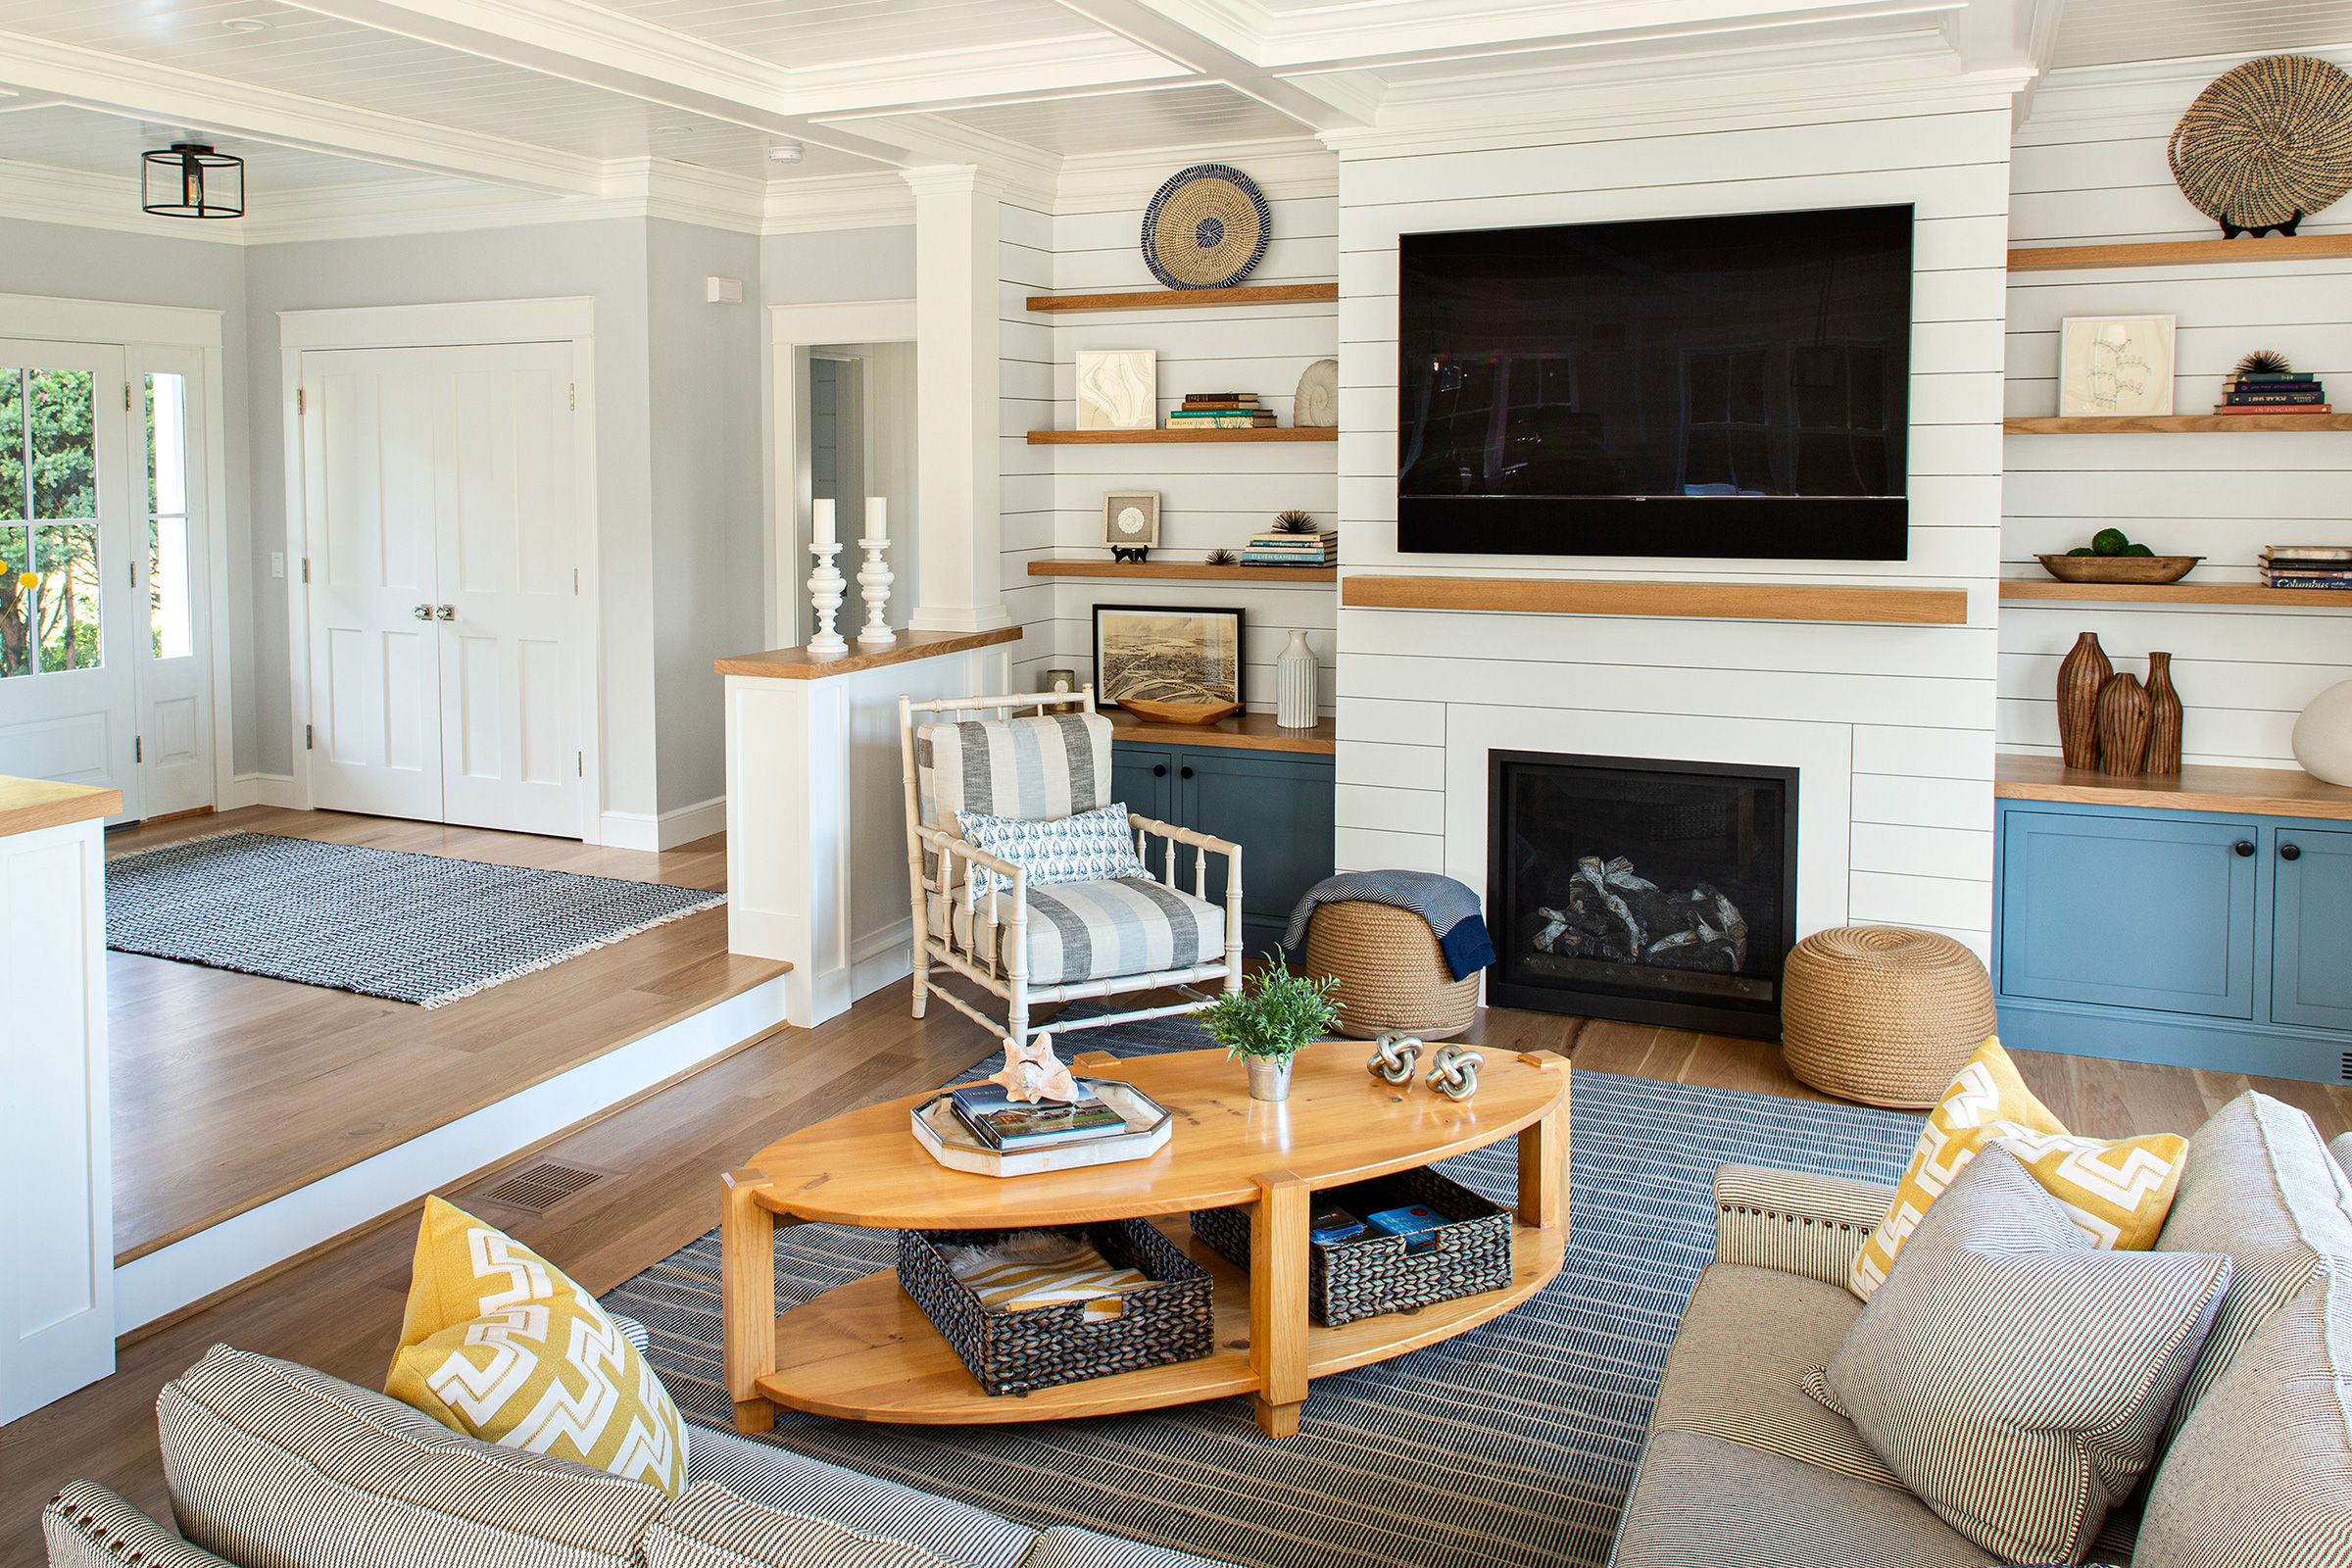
(138, 748)
(579, 765)
(306, 568)
(126, 397)
(302, 400)
(572, 396)
(309, 738)
(575, 582)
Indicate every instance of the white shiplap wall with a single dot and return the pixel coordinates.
(1898, 720)
(2089, 166)
(1211, 495)
(1025, 399)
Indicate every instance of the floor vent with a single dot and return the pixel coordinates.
(541, 1186)
(2344, 1070)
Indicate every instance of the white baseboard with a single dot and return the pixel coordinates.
(260, 789)
(215, 1258)
(643, 830)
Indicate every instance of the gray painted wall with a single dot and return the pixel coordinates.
(851, 264)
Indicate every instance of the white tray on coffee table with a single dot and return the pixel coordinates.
(943, 1133)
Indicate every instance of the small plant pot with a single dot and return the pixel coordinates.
(1271, 1077)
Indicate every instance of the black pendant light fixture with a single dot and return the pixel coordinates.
(188, 180)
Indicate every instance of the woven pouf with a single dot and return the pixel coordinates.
(1391, 973)
(1883, 1016)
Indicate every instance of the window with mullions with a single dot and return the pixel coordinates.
(49, 566)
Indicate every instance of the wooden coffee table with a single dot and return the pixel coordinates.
(865, 1351)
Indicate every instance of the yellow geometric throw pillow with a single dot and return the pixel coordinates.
(2117, 1191)
(499, 1345)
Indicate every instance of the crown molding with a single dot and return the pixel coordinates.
(36, 193)
(882, 200)
(1290, 170)
(1005, 73)
(2142, 98)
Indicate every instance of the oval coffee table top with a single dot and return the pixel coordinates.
(1340, 1124)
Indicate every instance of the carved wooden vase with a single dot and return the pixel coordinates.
(2080, 681)
(2123, 725)
(2164, 716)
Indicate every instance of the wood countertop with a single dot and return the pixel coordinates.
(2247, 791)
(1243, 732)
(30, 804)
(798, 663)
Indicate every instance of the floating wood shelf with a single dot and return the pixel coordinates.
(2171, 423)
(1188, 299)
(2252, 791)
(1243, 732)
(1727, 601)
(2181, 253)
(1268, 432)
(1182, 570)
(2174, 593)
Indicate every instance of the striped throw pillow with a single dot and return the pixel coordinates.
(2016, 1377)
(2117, 1191)
(1086, 846)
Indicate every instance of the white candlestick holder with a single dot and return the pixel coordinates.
(825, 585)
(874, 585)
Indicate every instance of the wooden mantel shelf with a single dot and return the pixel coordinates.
(2247, 791)
(1705, 601)
(798, 663)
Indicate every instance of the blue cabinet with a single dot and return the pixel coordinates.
(2198, 938)
(1277, 806)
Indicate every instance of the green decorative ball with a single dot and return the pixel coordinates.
(2137, 550)
(2081, 550)
(2109, 542)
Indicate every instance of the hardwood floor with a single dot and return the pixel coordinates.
(230, 1090)
(340, 1310)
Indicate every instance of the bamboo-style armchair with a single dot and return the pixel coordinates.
(1030, 944)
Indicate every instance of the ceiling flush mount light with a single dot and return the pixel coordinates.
(785, 152)
(244, 24)
(188, 180)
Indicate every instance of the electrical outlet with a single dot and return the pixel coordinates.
(278, 563)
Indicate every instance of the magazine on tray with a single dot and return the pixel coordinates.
(1004, 1123)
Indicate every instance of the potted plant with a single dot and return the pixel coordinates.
(1267, 1020)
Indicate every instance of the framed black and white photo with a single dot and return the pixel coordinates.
(1167, 654)
(1131, 520)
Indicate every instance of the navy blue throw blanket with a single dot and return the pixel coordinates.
(1451, 908)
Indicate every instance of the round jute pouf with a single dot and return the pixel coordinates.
(1883, 1016)
(1391, 973)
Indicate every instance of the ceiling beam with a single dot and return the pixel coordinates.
(87, 78)
(1198, 37)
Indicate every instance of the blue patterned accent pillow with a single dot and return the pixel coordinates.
(1085, 846)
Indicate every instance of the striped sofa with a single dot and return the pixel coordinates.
(270, 1463)
(1741, 1467)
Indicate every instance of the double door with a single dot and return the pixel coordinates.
(104, 652)
(447, 666)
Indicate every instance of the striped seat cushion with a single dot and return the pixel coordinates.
(270, 1463)
(777, 1478)
(2012, 1374)
(1101, 930)
(711, 1527)
(1025, 767)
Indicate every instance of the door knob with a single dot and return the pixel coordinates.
(445, 612)
(2244, 848)
(2290, 852)
(423, 612)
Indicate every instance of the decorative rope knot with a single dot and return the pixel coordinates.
(1392, 1058)
(1453, 1072)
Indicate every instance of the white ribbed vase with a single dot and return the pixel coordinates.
(1294, 685)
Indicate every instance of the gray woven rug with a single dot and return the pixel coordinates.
(422, 928)
(1512, 1443)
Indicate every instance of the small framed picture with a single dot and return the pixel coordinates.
(2117, 364)
(1167, 653)
(1131, 520)
(1118, 389)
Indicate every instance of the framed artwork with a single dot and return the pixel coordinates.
(2117, 364)
(1118, 389)
(1131, 520)
(1167, 653)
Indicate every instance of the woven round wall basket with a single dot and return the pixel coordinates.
(1882, 1015)
(1392, 975)
(2267, 145)
(1207, 228)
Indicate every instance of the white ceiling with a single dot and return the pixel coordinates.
(574, 98)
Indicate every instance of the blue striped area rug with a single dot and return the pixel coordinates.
(1512, 1443)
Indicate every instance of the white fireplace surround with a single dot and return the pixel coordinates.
(1821, 754)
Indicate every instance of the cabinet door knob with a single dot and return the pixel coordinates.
(423, 612)
(2244, 848)
(2290, 852)
(1160, 770)
(1184, 772)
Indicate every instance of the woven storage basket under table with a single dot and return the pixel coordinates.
(1392, 974)
(1375, 1274)
(1160, 1324)
(1882, 1015)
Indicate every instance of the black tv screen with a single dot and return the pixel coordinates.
(1697, 386)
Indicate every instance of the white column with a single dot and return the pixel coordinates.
(57, 1229)
(955, 286)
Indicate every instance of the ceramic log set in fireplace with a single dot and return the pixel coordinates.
(1657, 892)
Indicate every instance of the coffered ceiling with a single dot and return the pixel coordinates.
(579, 100)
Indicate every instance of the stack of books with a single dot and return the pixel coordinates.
(1008, 1125)
(1274, 547)
(2307, 565)
(1220, 411)
(2273, 392)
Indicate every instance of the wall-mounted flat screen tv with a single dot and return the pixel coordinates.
(1696, 386)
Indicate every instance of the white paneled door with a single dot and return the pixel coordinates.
(442, 540)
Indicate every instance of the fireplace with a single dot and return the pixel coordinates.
(1655, 892)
